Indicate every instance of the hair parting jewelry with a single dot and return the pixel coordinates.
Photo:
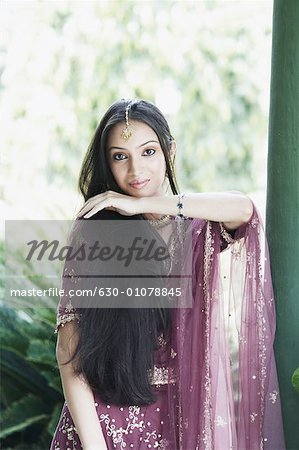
(127, 131)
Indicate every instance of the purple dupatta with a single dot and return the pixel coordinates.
(226, 395)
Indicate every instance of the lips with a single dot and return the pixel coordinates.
(138, 183)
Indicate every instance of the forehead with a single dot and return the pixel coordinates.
(141, 133)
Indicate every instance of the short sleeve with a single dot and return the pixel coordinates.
(66, 312)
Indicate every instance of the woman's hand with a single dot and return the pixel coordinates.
(123, 204)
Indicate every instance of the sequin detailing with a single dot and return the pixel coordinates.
(134, 422)
(117, 434)
(72, 275)
(253, 415)
(67, 428)
(208, 254)
(62, 319)
(273, 396)
(173, 353)
(162, 342)
(220, 422)
(161, 375)
(68, 315)
(225, 234)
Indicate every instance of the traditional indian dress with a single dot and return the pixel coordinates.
(215, 373)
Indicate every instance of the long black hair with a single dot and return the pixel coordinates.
(116, 345)
(96, 176)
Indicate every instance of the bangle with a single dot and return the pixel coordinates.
(180, 205)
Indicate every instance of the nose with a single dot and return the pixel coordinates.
(136, 165)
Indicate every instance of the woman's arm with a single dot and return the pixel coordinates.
(233, 208)
(78, 395)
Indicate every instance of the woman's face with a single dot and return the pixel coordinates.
(139, 159)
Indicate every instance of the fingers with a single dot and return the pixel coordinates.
(93, 212)
(90, 203)
(96, 203)
(87, 209)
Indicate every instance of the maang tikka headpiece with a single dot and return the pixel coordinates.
(127, 132)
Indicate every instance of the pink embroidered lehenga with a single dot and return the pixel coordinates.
(215, 373)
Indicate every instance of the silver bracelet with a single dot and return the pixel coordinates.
(180, 205)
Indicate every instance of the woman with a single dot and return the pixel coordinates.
(174, 387)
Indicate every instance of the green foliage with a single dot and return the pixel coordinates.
(31, 390)
(205, 64)
(295, 379)
(31, 395)
(62, 64)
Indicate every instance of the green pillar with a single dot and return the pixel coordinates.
(282, 212)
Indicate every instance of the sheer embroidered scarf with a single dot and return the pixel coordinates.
(226, 394)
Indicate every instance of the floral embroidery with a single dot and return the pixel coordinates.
(161, 340)
(225, 234)
(172, 353)
(250, 257)
(273, 396)
(236, 254)
(159, 445)
(253, 415)
(254, 222)
(208, 257)
(64, 318)
(69, 307)
(117, 434)
(242, 340)
(163, 444)
(68, 428)
(72, 275)
(220, 422)
(160, 375)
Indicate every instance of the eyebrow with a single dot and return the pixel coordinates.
(122, 148)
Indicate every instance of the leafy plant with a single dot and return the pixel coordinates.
(31, 394)
(295, 379)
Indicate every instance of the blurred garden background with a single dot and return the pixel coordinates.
(205, 64)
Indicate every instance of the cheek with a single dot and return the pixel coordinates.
(116, 171)
(160, 166)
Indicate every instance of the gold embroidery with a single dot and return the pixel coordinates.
(67, 428)
(254, 222)
(69, 307)
(273, 396)
(72, 275)
(117, 433)
(133, 422)
(253, 415)
(173, 353)
(64, 318)
(161, 340)
(208, 254)
(225, 234)
(220, 422)
(161, 375)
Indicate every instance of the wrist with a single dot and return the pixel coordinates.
(145, 205)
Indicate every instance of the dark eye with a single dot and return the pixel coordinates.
(118, 154)
(151, 150)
